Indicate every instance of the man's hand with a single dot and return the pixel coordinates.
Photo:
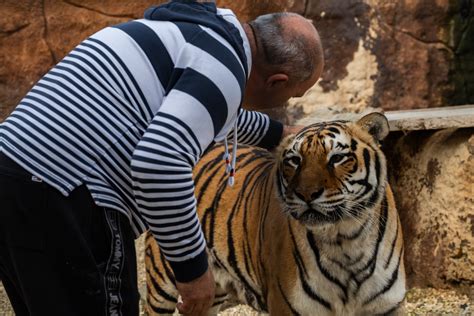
(288, 130)
(197, 295)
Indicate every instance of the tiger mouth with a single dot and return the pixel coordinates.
(312, 215)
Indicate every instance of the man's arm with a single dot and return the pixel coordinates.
(164, 191)
(192, 114)
(255, 128)
(258, 129)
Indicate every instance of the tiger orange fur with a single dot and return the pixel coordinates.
(314, 232)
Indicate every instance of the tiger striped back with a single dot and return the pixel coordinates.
(314, 232)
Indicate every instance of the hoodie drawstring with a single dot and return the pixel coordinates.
(230, 165)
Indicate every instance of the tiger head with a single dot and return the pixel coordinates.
(333, 171)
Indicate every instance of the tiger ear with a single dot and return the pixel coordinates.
(376, 124)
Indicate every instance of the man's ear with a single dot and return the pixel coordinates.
(276, 80)
(376, 124)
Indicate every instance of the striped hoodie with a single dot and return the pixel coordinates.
(130, 111)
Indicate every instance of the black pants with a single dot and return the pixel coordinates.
(63, 255)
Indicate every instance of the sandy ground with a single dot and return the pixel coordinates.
(419, 301)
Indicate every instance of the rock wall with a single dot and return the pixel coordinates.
(388, 54)
(432, 174)
(391, 54)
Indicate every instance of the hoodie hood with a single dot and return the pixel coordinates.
(204, 14)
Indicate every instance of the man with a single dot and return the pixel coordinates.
(102, 149)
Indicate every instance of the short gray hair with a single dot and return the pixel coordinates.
(286, 52)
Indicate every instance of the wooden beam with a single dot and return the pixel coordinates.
(431, 118)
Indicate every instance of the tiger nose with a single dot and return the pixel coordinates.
(308, 197)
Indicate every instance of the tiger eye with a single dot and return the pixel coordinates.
(335, 159)
(293, 160)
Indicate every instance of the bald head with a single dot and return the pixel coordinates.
(289, 43)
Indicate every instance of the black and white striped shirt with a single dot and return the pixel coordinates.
(128, 113)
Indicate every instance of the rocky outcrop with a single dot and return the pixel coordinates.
(432, 176)
(392, 54)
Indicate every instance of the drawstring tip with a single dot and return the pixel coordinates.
(231, 176)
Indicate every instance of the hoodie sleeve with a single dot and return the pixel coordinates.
(192, 114)
(255, 128)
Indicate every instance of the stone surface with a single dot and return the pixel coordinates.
(391, 54)
(432, 176)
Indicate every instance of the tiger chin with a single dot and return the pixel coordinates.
(315, 232)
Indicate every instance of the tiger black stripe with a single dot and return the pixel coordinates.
(222, 186)
(390, 283)
(356, 234)
(392, 248)
(215, 207)
(241, 196)
(218, 261)
(342, 267)
(310, 292)
(247, 256)
(159, 310)
(296, 253)
(356, 260)
(381, 231)
(375, 195)
(230, 242)
(324, 271)
(353, 145)
(215, 203)
(162, 292)
(168, 272)
(218, 302)
(262, 219)
(342, 146)
(292, 309)
(206, 224)
(253, 189)
(149, 254)
(246, 247)
(150, 293)
(214, 163)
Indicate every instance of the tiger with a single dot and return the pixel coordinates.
(314, 231)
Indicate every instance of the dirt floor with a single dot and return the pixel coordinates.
(419, 301)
